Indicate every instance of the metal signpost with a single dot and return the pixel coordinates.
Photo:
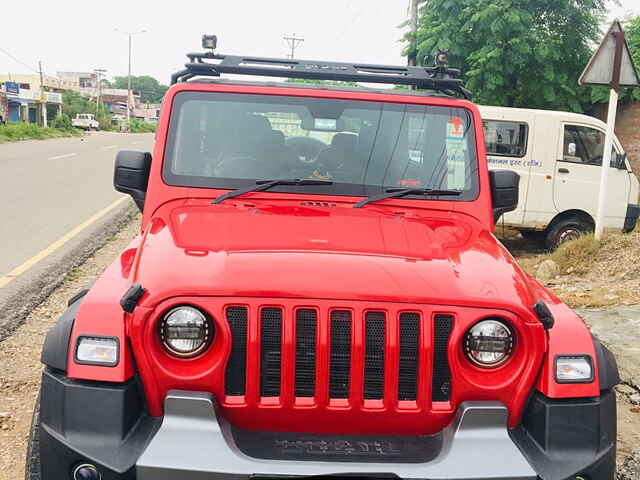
(612, 66)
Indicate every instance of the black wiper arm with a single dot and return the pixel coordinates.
(403, 192)
(262, 185)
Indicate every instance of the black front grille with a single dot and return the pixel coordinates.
(340, 354)
(409, 353)
(306, 338)
(237, 365)
(270, 351)
(374, 355)
(441, 379)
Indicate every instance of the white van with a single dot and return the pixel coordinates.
(558, 156)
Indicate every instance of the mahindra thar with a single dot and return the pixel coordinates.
(316, 291)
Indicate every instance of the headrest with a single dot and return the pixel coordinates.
(345, 141)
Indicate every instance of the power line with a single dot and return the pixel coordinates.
(18, 60)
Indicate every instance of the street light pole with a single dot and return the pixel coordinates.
(130, 35)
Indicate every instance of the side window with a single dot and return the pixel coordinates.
(584, 145)
(507, 139)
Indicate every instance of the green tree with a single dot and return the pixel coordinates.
(73, 103)
(151, 91)
(518, 53)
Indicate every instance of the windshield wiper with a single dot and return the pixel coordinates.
(403, 192)
(262, 185)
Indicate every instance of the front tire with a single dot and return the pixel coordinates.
(32, 467)
(566, 230)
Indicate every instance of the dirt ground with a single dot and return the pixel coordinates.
(20, 357)
(20, 354)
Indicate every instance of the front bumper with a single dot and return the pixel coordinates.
(105, 424)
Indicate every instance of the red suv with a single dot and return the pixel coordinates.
(317, 291)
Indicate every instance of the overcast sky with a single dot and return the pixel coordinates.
(79, 35)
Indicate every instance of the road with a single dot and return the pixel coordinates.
(49, 188)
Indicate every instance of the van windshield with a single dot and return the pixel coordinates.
(231, 141)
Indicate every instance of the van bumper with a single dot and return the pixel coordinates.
(631, 218)
(105, 426)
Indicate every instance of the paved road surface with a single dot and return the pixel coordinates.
(47, 188)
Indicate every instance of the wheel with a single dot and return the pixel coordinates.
(566, 230)
(32, 468)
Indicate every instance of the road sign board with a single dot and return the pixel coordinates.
(611, 64)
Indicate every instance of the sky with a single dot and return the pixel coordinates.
(81, 36)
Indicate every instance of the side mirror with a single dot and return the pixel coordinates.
(505, 188)
(131, 174)
(619, 161)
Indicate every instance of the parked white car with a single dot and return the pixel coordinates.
(559, 156)
(85, 121)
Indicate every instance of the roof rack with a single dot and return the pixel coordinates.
(440, 77)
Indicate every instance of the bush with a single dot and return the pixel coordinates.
(62, 122)
(138, 126)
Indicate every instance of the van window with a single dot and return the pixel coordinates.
(507, 139)
(584, 145)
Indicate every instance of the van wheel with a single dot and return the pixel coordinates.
(566, 230)
(32, 468)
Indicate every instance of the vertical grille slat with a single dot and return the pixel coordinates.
(270, 351)
(374, 355)
(235, 373)
(340, 354)
(306, 338)
(409, 353)
(441, 378)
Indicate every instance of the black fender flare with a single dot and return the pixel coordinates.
(55, 350)
(607, 366)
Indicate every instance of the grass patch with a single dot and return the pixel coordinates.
(578, 254)
(138, 126)
(14, 132)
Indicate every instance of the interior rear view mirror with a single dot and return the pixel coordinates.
(505, 186)
(323, 124)
(571, 149)
(131, 174)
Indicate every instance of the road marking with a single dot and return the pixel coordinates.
(109, 147)
(19, 270)
(66, 155)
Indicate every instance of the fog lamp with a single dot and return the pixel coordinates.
(86, 471)
(97, 350)
(489, 343)
(209, 42)
(185, 331)
(574, 369)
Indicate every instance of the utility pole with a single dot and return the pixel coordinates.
(293, 42)
(99, 72)
(413, 54)
(43, 97)
(130, 35)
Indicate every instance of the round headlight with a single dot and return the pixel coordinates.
(185, 331)
(489, 343)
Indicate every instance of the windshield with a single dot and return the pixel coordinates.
(231, 141)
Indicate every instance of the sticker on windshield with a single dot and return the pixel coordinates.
(455, 130)
(456, 153)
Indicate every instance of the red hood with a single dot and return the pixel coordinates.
(326, 251)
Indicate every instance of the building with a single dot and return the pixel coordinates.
(148, 112)
(28, 104)
(79, 79)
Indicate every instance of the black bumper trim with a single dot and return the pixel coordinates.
(631, 218)
(566, 438)
(101, 423)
